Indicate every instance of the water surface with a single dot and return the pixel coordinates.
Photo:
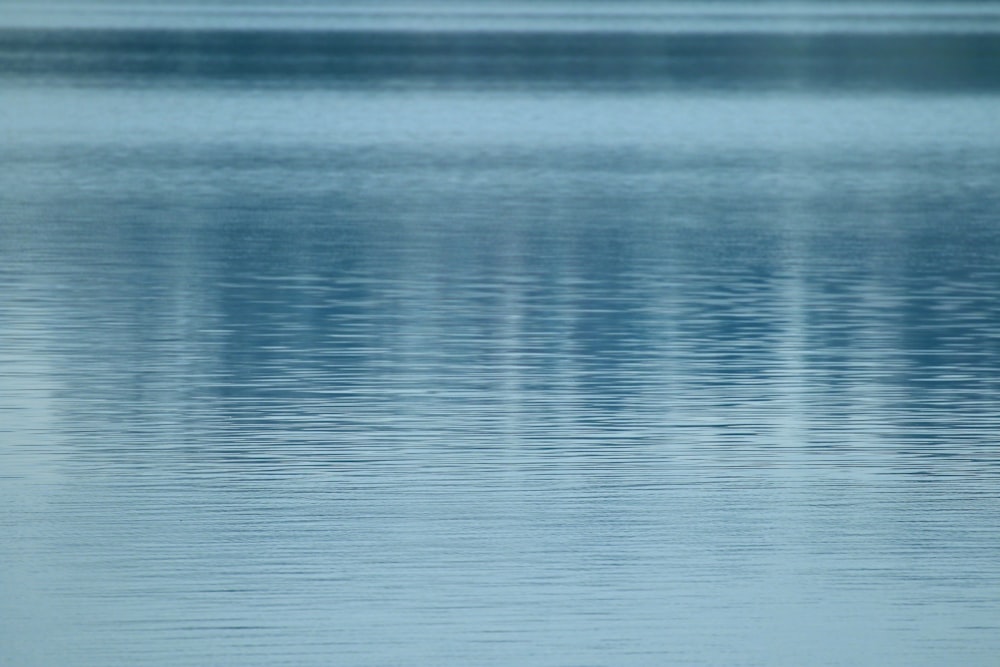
(591, 336)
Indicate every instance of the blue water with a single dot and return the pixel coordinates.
(497, 334)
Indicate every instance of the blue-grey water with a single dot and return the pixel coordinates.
(500, 334)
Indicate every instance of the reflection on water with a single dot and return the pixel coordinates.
(601, 59)
(509, 364)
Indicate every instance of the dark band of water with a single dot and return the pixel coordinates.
(758, 60)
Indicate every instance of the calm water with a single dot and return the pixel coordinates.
(499, 334)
